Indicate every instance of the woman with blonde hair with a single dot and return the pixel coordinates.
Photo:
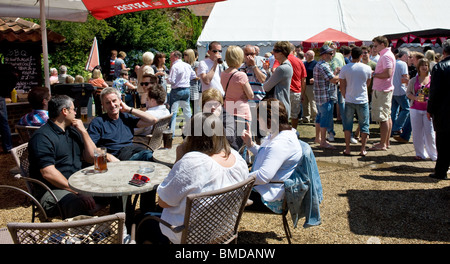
(422, 127)
(236, 85)
(146, 68)
(96, 79)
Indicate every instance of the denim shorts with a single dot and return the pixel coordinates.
(362, 111)
(324, 115)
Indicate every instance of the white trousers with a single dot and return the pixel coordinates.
(424, 137)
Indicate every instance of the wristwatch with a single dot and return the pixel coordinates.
(131, 110)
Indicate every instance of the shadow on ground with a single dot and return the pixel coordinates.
(412, 214)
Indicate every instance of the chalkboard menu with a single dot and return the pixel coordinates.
(28, 62)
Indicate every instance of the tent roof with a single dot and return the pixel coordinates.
(262, 22)
(340, 38)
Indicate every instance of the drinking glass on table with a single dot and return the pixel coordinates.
(100, 160)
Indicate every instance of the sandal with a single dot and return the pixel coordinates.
(417, 158)
(346, 154)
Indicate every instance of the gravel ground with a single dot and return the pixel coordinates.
(376, 204)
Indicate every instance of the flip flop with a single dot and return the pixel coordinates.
(363, 154)
(375, 148)
(328, 146)
(346, 154)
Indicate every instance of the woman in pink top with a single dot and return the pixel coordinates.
(236, 85)
(422, 127)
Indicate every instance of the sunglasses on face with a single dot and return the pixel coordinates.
(144, 83)
(277, 50)
(215, 51)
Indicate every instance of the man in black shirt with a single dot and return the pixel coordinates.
(56, 151)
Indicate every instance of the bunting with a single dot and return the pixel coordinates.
(410, 38)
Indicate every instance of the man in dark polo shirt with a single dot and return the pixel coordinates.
(56, 151)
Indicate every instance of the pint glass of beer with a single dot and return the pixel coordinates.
(167, 139)
(100, 160)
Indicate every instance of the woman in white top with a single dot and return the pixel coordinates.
(276, 158)
(208, 164)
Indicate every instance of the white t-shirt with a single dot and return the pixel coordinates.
(276, 160)
(195, 173)
(156, 111)
(356, 75)
(204, 67)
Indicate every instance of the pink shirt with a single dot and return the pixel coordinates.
(386, 61)
(236, 102)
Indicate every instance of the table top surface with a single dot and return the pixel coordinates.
(167, 156)
(114, 182)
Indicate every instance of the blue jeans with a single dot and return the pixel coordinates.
(325, 114)
(179, 97)
(5, 131)
(399, 112)
(362, 111)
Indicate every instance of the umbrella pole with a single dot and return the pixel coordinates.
(44, 43)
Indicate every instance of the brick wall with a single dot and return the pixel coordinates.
(15, 112)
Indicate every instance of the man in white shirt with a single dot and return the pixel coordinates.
(354, 78)
(156, 97)
(209, 69)
(180, 77)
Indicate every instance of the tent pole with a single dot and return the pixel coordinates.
(44, 43)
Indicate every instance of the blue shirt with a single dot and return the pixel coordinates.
(401, 68)
(113, 134)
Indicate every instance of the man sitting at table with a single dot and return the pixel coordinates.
(115, 128)
(56, 151)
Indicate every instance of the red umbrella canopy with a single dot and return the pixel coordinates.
(338, 37)
(102, 9)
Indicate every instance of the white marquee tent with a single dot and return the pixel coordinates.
(263, 22)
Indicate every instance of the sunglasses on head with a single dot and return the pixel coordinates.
(215, 51)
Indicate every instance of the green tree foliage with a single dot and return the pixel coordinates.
(161, 30)
(74, 52)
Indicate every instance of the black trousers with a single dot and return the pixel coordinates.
(443, 150)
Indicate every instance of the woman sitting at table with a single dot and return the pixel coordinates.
(209, 164)
(275, 159)
(97, 80)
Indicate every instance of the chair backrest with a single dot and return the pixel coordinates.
(157, 132)
(97, 230)
(25, 132)
(20, 154)
(213, 217)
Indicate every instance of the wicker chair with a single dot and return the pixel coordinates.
(107, 229)
(210, 217)
(5, 237)
(154, 140)
(20, 154)
(25, 132)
